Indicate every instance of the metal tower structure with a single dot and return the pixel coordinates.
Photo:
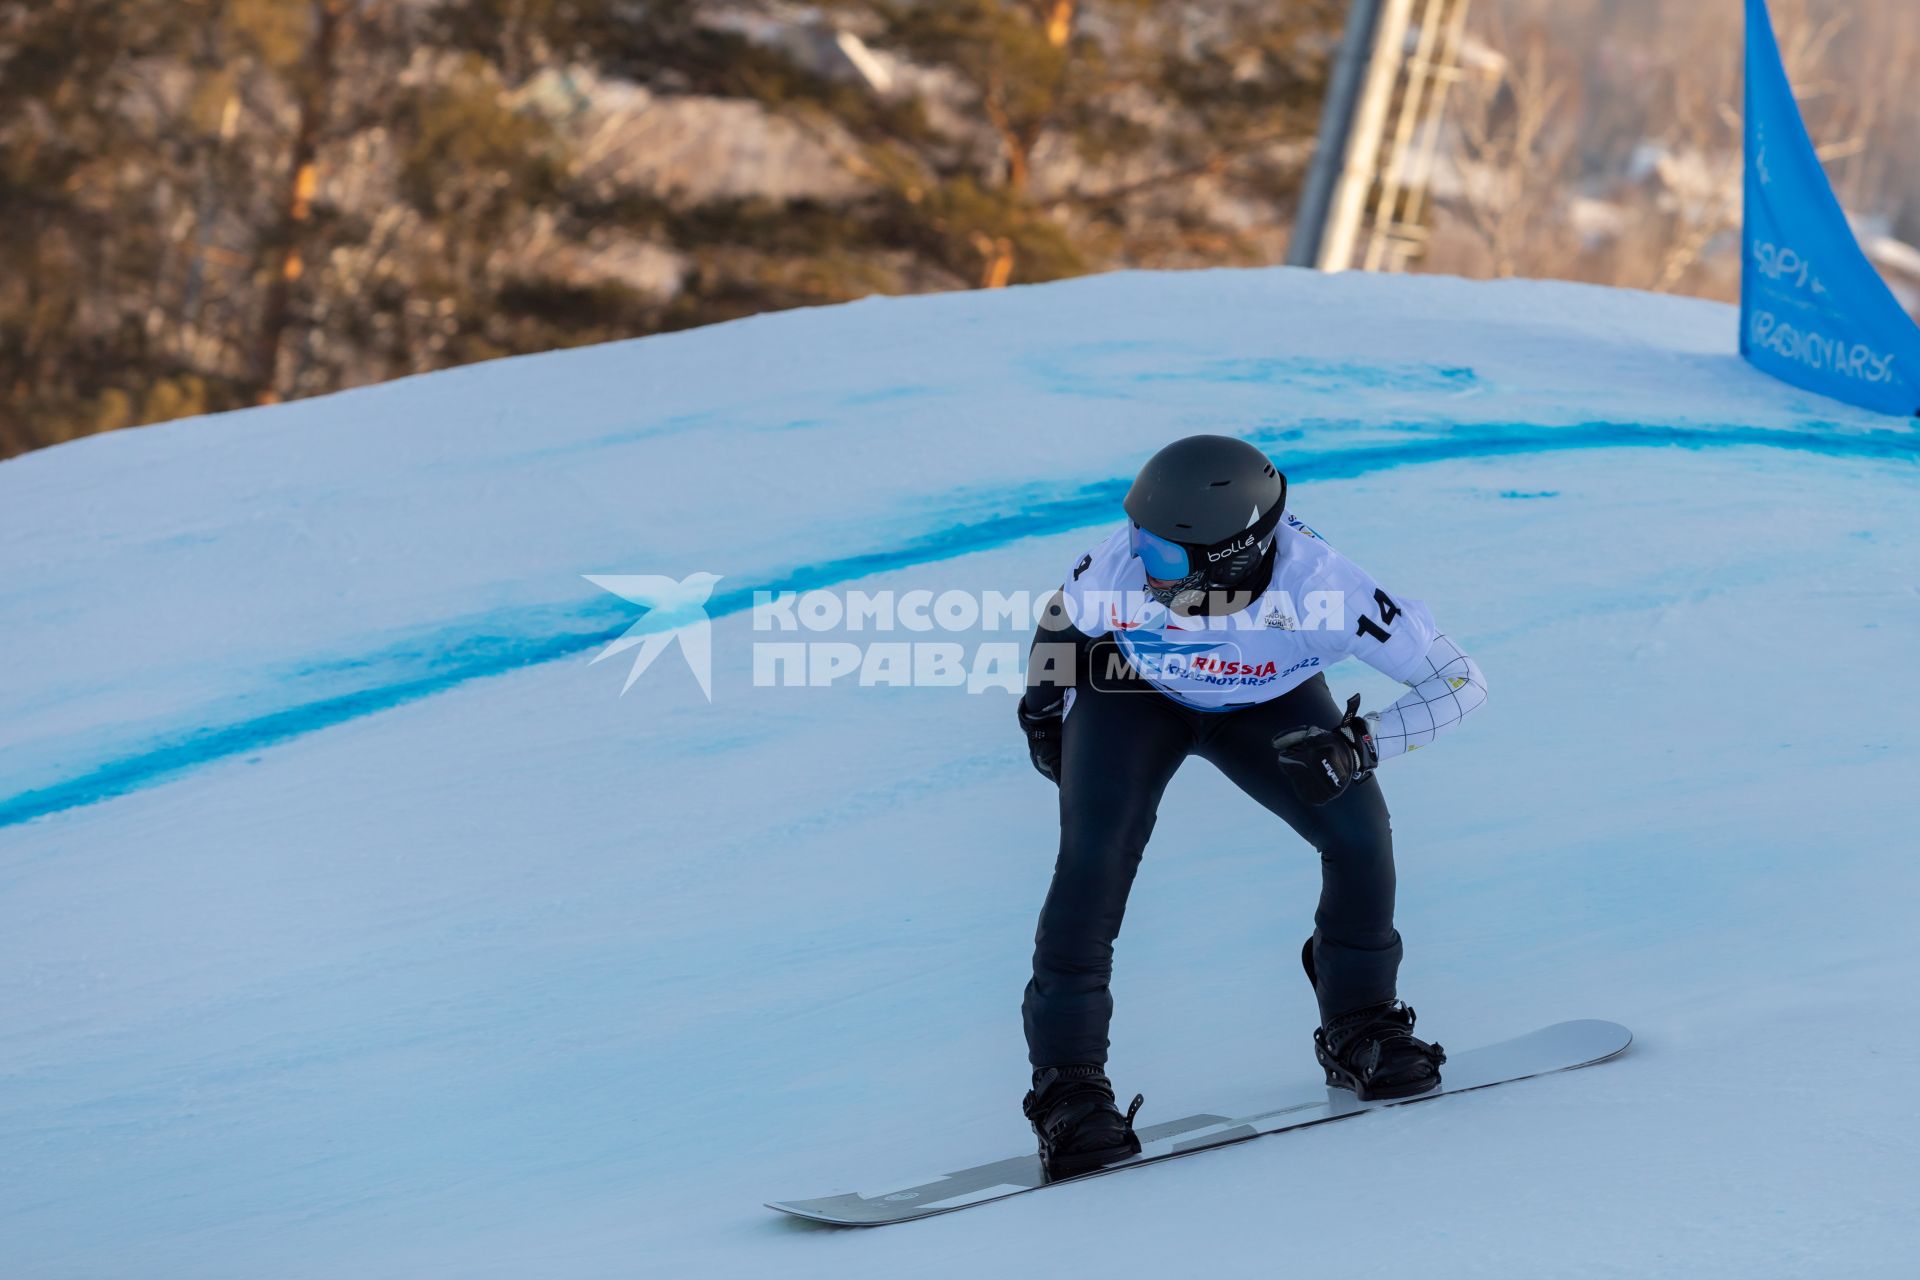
(1365, 200)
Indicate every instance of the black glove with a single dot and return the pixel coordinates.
(1043, 736)
(1322, 763)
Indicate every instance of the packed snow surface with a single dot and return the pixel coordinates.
(353, 923)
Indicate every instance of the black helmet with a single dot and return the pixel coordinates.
(1204, 511)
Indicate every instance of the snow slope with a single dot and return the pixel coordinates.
(351, 923)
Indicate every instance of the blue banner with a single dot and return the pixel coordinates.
(1813, 311)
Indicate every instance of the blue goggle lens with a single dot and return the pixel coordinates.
(1167, 561)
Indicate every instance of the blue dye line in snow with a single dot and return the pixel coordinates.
(506, 643)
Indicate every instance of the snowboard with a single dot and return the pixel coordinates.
(1561, 1047)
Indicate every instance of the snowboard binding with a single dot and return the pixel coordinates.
(1074, 1116)
(1374, 1052)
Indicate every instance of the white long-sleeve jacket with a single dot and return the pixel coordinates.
(1318, 609)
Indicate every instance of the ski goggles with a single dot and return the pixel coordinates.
(1164, 560)
(1168, 561)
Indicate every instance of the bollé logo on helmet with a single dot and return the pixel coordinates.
(1231, 549)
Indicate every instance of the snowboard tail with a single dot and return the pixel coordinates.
(1561, 1047)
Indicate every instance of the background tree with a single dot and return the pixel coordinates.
(208, 204)
(1601, 140)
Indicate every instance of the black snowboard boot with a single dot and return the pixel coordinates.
(1373, 1052)
(1073, 1114)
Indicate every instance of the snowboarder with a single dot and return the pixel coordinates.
(1204, 626)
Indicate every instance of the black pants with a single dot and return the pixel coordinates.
(1120, 749)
